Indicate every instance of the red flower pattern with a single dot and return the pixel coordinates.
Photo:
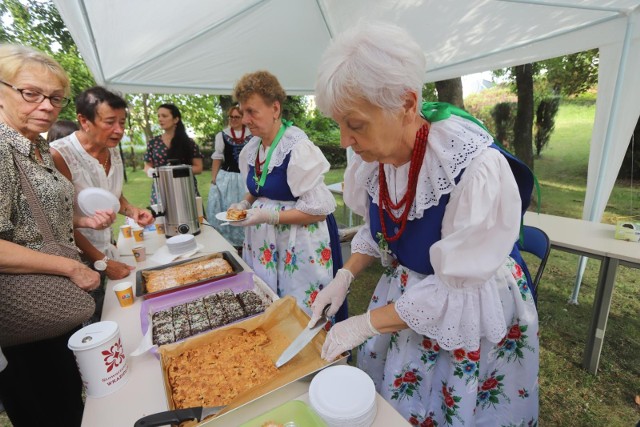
(409, 377)
(326, 254)
(474, 356)
(459, 354)
(489, 384)
(514, 333)
(267, 255)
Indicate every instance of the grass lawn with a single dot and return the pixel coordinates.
(569, 395)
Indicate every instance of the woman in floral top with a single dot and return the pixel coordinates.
(451, 333)
(173, 144)
(291, 238)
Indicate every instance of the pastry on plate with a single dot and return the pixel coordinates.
(236, 214)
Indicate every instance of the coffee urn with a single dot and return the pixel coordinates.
(177, 199)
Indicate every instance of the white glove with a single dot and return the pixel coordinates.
(348, 334)
(242, 205)
(150, 172)
(334, 293)
(259, 216)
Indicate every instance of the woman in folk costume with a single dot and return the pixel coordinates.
(451, 333)
(227, 184)
(291, 237)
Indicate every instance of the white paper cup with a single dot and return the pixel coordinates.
(160, 225)
(138, 234)
(139, 253)
(100, 357)
(199, 209)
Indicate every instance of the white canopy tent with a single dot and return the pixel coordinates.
(205, 46)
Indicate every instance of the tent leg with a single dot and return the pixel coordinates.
(582, 265)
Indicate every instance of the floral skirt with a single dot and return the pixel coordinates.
(292, 259)
(495, 385)
(229, 188)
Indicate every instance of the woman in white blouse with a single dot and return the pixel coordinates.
(450, 337)
(291, 238)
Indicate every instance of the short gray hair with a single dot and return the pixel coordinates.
(374, 61)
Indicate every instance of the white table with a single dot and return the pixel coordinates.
(143, 394)
(593, 240)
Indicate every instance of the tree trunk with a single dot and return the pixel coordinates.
(523, 127)
(146, 126)
(450, 91)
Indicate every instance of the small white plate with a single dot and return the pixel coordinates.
(222, 216)
(95, 198)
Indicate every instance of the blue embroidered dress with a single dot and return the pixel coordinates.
(470, 354)
(230, 185)
(292, 259)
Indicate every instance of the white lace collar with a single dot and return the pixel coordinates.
(453, 143)
(291, 137)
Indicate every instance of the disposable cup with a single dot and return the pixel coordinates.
(139, 253)
(138, 234)
(199, 209)
(126, 231)
(100, 358)
(160, 225)
(124, 293)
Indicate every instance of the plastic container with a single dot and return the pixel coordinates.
(100, 357)
(291, 414)
(344, 396)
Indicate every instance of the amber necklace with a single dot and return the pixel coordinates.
(419, 149)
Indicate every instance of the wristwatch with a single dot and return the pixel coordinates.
(101, 264)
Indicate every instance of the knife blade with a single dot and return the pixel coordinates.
(302, 339)
(177, 416)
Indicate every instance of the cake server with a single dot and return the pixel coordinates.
(177, 416)
(303, 339)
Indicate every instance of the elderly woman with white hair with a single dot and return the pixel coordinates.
(451, 333)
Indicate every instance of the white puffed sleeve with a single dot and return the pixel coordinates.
(460, 302)
(218, 145)
(246, 152)
(305, 176)
(355, 196)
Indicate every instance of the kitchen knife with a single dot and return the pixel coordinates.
(177, 416)
(302, 339)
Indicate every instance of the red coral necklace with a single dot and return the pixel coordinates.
(235, 138)
(419, 149)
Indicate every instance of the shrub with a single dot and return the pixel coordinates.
(545, 122)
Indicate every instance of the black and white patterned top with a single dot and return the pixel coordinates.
(55, 192)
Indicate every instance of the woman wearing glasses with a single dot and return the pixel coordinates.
(89, 158)
(33, 91)
(227, 185)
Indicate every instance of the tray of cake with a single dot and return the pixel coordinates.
(234, 365)
(192, 311)
(164, 279)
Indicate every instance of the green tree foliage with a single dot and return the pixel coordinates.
(38, 24)
(545, 122)
(572, 74)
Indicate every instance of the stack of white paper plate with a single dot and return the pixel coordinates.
(343, 396)
(181, 244)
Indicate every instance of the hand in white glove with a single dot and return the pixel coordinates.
(334, 294)
(348, 334)
(258, 216)
(242, 205)
(150, 172)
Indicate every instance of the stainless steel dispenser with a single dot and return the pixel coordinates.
(177, 199)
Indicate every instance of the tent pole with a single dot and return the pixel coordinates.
(594, 208)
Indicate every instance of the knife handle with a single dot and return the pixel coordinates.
(170, 417)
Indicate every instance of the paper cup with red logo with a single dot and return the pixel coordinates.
(100, 357)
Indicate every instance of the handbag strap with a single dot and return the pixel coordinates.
(34, 204)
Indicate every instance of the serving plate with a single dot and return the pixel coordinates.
(222, 216)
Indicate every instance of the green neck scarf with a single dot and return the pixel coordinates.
(265, 168)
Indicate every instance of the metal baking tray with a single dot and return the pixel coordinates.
(141, 289)
(241, 282)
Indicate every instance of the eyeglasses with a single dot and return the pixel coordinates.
(235, 117)
(36, 97)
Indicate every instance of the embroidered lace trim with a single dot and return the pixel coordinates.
(453, 144)
(291, 137)
(459, 318)
(363, 243)
(318, 201)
